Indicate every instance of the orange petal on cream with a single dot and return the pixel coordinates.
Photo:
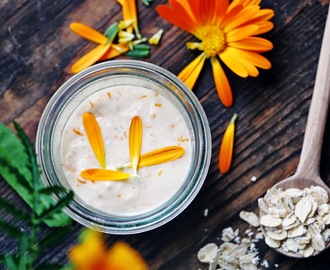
(191, 72)
(88, 33)
(96, 174)
(90, 58)
(135, 141)
(95, 137)
(221, 83)
(227, 146)
(159, 156)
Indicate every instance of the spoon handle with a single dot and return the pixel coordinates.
(311, 150)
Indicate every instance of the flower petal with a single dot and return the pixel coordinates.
(256, 44)
(158, 156)
(231, 60)
(88, 33)
(241, 32)
(135, 141)
(177, 15)
(255, 58)
(95, 137)
(264, 27)
(124, 257)
(244, 16)
(191, 72)
(130, 13)
(227, 147)
(221, 83)
(114, 51)
(90, 58)
(96, 174)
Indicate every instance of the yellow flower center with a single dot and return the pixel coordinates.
(213, 40)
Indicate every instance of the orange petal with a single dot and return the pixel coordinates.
(241, 33)
(95, 137)
(227, 146)
(115, 51)
(88, 33)
(191, 72)
(221, 83)
(177, 15)
(96, 174)
(124, 257)
(264, 27)
(255, 58)
(159, 156)
(245, 15)
(90, 58)
(135, 141)
(130, 13)
(231, 60)
(231, 13)
(255, 44)
(220, 10)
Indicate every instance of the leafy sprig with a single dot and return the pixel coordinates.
(18, 166)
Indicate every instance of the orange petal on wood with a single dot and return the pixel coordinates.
(114, 51)
(227, 147)
(90, 58)
(221, 83)
(96, 174)
(95, 137)
(135, 141)
(124, 257)
(190, 73)
(231, 60)
(88, 33)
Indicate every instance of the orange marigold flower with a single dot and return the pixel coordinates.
(92, 254)
(227, 31)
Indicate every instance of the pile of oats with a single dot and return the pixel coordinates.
(234, 253)
(296, 220)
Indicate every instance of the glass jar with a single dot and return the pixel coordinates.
(123, 72)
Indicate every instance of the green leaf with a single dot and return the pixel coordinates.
(56, 207)
(111, 32)
(146, 2)
(23, 250)
(52, 190)
(141, 47)
(52, 237)
(19, 168)
(17, 213)
(11, 230)
(138, 53)
(10, 262)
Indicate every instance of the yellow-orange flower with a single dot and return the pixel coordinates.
(92, 254)
(226, 31)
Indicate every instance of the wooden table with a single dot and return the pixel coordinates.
(36, 52)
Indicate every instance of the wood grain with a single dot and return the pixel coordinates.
(36, 52)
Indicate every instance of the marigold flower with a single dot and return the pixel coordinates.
(227, 31)
(92, 254)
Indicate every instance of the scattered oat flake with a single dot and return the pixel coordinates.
(206, 212)
(250, 218)
(253, 178)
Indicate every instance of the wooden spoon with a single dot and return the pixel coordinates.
(307, 173)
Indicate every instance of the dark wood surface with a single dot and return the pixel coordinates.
(36, 52)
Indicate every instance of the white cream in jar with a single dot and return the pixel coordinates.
(114, 107)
